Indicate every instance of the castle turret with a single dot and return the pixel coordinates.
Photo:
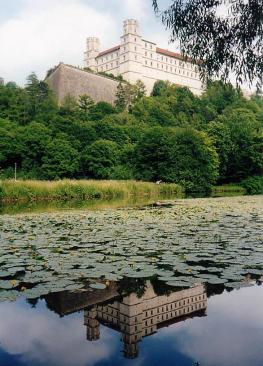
(131, 26)
(93, 49)
(131, 51)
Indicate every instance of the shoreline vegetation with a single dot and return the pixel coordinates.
(35, 190)
(29, 191)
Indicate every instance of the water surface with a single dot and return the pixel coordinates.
(172, 283)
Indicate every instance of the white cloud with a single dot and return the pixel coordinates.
(41, 336)
(135, 8)
(46, 32)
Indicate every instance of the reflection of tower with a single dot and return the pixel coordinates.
(93, 325)
(131, 350)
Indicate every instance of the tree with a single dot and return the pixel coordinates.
(159, 87)
(180, 155)
(85, 103)
(61, 160)
(99, 158)
(120, 102)
(150, 154)
(221, 36)
(127, 95)
(221, 138)
(245, 156)
(33, 139)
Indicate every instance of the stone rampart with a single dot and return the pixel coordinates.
(68, 80)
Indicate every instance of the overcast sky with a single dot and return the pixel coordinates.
(35, 35)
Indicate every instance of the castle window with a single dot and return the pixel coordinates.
(117, 63)
(145, 62)
(135, 56)
(151, 55)
(124, 48)
(162, 58)
(135, 48)
(151, 63)
(151, 46)
(171, 69)
(135, 39)
(158, 66)
(166, 59)
(111, 56)
(162, 66)
(124, 58)
(145, 53)
(145, 45)
(111, 65)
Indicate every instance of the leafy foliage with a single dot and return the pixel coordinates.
(225, 35)
(173, 135)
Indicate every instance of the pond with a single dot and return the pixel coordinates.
(171, 282)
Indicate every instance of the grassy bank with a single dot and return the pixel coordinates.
(228, 189)
(33, 190)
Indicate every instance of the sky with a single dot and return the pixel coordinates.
(36, 35)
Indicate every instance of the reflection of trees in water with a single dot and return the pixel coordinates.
(127, 286)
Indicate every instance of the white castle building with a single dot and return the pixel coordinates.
(138, 59)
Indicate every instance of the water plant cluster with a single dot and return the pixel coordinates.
(215, 241)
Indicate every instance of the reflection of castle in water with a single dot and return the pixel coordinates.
(137, 317)
(133, 315)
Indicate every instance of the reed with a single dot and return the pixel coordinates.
(228, 189)
(35, 190)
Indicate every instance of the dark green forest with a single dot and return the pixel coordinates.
(172, 136)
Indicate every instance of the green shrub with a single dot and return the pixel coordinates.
(253, 185)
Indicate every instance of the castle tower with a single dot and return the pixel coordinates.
(93, 325)
(2, 82)
(131, 51)
(93, 49)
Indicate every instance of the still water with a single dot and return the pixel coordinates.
(83, 329)
(177, 283)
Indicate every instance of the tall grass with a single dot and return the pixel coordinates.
(228, 189)
(33, 190)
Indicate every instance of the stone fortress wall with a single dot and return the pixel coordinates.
(68, 80)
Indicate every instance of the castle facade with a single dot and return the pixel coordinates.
(138, 59)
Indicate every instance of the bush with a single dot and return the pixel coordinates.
(253, 185)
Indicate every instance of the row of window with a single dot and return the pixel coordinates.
(171, 69)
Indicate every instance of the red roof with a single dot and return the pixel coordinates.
(173, 54)
(116, 48)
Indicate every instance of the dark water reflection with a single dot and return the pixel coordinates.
(154, 326)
